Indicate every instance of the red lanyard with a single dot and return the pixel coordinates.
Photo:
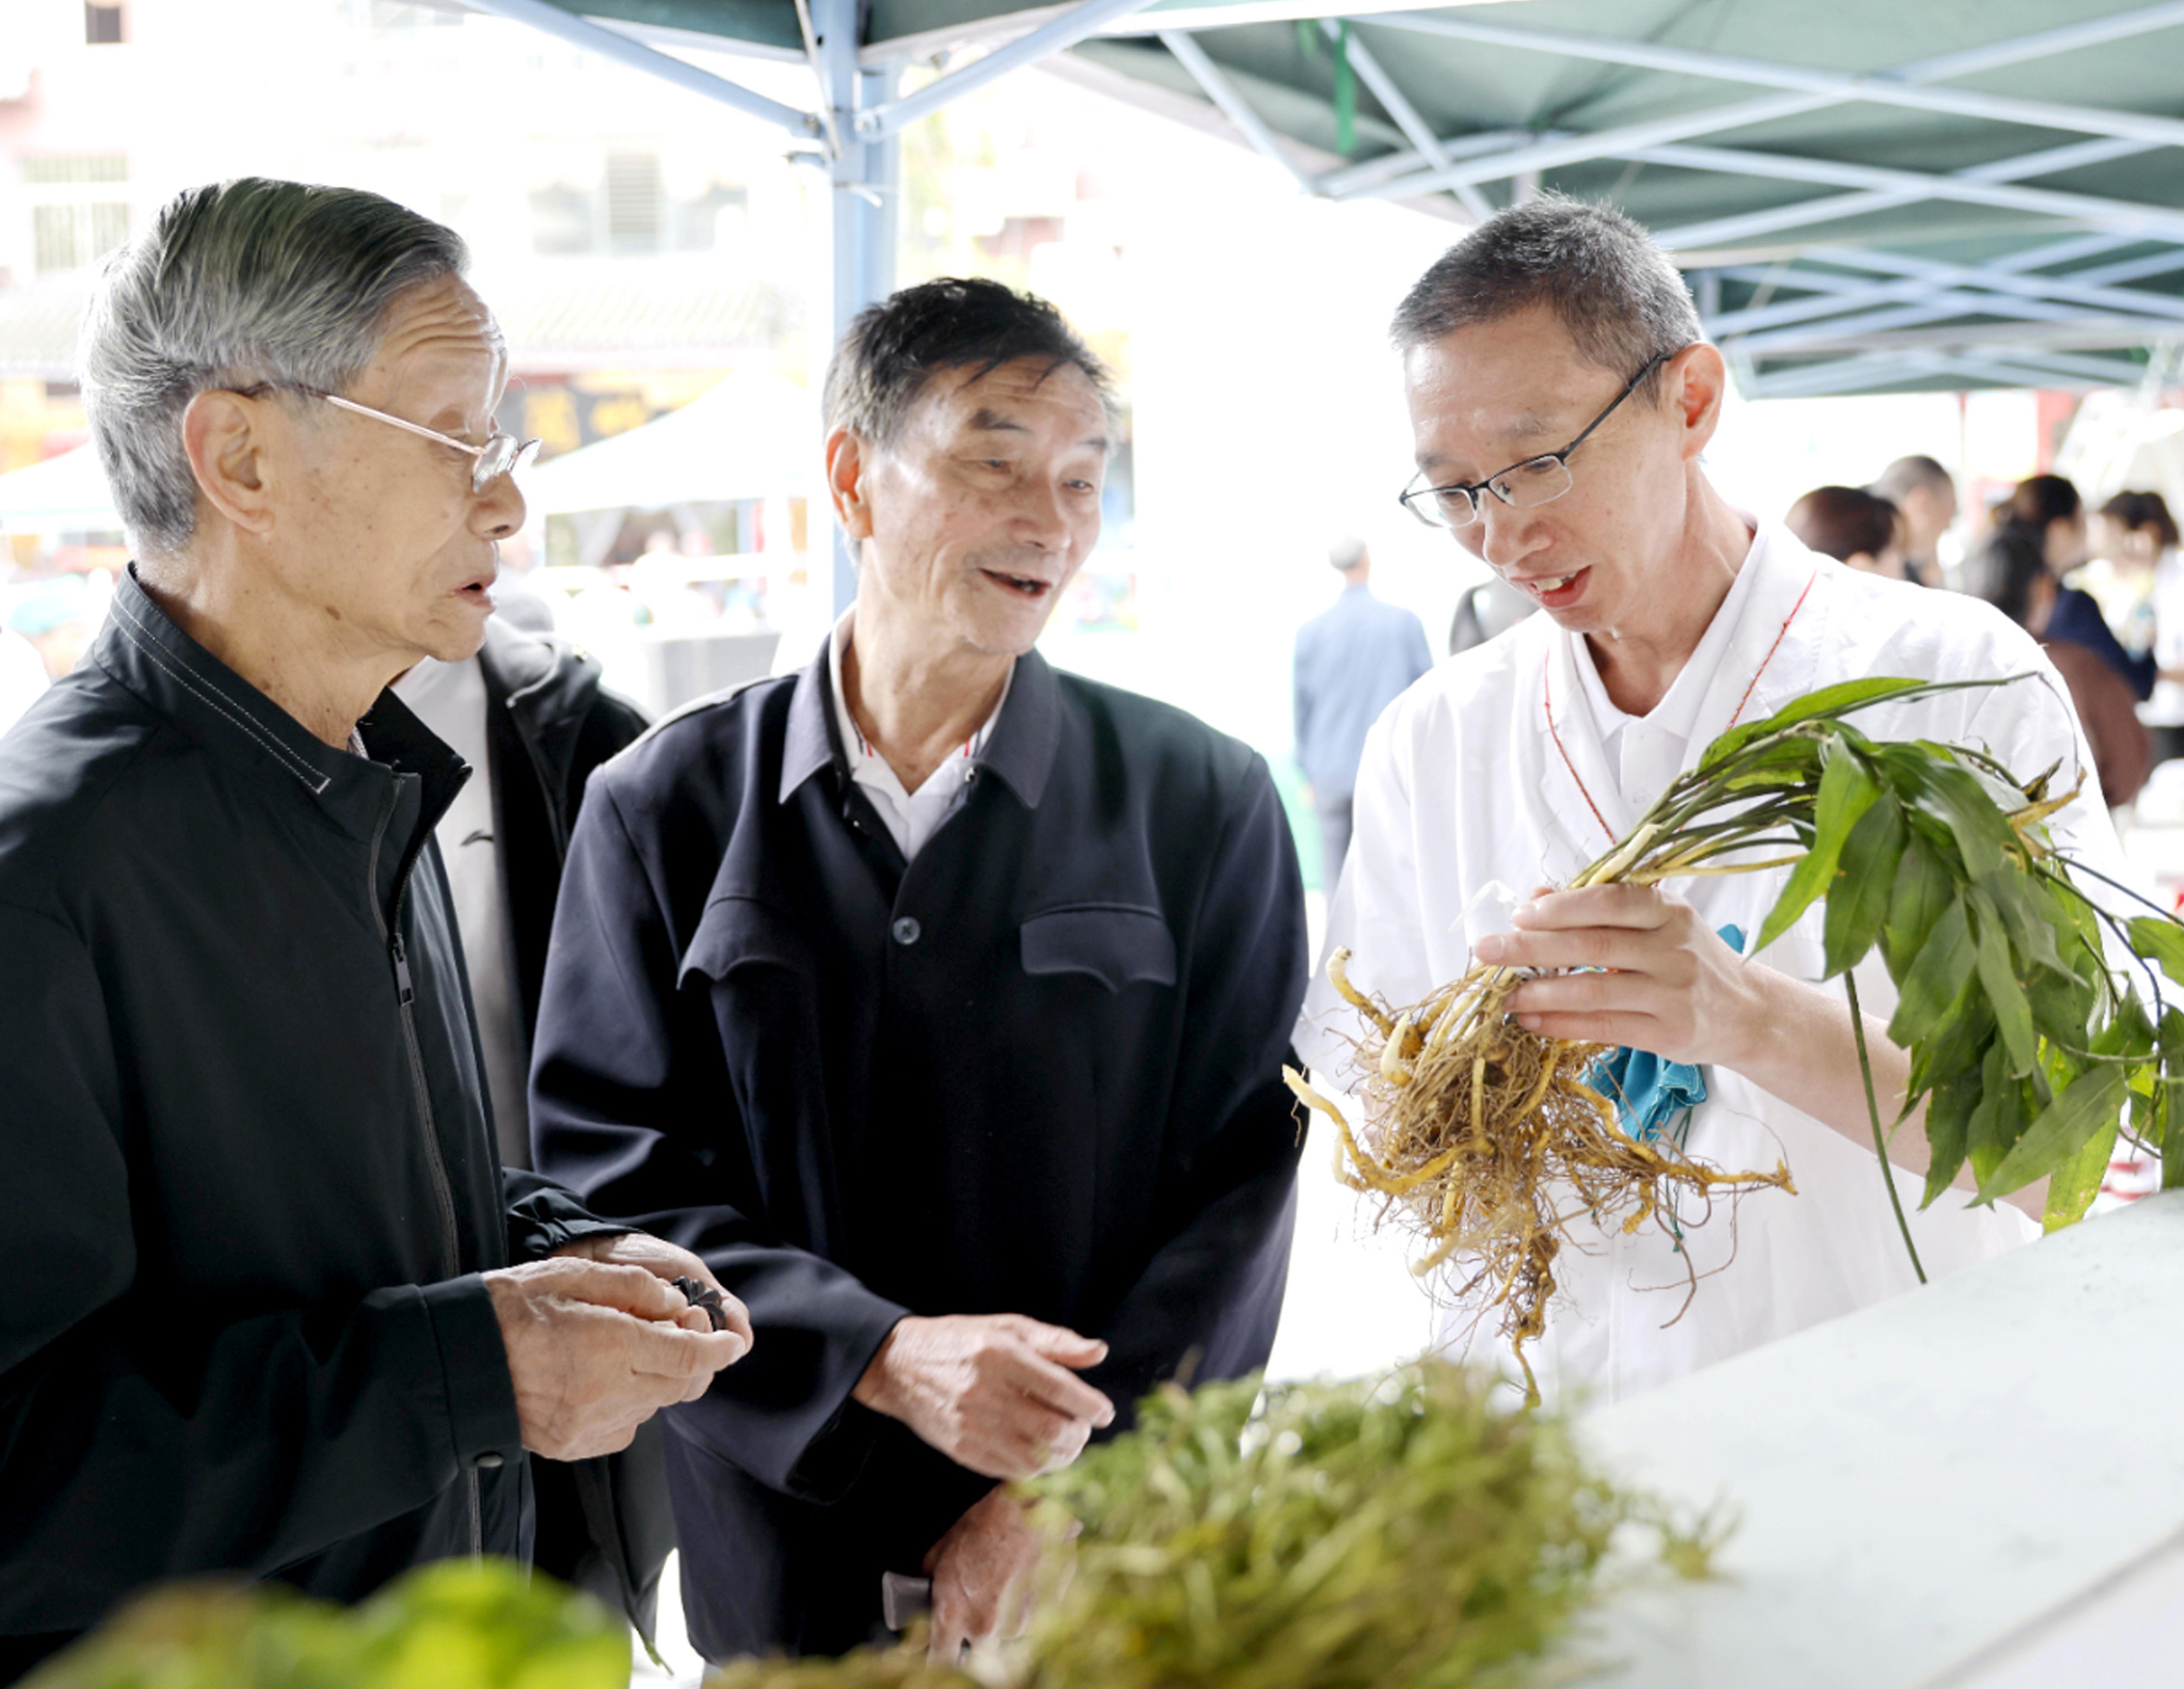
(1547, 703)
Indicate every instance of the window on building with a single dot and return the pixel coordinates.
(635, 203)
(76, 214)
(103, 24)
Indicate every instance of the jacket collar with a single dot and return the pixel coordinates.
(142, 648)
(1021, 748)
(546, 685)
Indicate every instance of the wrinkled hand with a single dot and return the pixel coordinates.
(666, 1261)
(596, 1348)
(993, 1392)
(982, 1573)
(1676, 989)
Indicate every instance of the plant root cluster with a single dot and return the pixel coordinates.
(1488, 1143)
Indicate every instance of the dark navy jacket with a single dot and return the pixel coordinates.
(250, 1175)
(1037, 1070)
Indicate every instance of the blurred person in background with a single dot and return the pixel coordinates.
(22, 675)
(2048, 510)
(1926, 495)
(1351, 661)
(1853, 527)
(58, 617)
(2136, 533)
(529, 716)
(2011, 572)
(1486, 611)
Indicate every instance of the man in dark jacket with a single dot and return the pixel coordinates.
(940, 1001)
(274, 1309)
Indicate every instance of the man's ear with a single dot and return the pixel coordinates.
(1697, 381)
(845, 484)
(227, 437)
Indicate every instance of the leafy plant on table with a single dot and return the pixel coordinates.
(2027, 1051)
(1404, 1534)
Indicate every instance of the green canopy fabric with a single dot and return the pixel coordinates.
(1868, 195)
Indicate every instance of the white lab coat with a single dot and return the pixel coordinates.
(1463, 786)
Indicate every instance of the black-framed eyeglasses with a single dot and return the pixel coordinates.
(502, 454)
(1537, 480)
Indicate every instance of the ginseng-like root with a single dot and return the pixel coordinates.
(1488, 1143)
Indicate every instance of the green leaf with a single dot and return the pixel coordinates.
(2005, 992)
(2092, 1103)
(1923, 887)
(1935, 981)
(1828, 701)
(1997, 1123)
(1865, 881)
(1846, 790)
(1948, 1117)
(2074, 1185)
(1959, 1047)
(2160, 941)
(2028, 909)
(1950, 796)
(2170, 1093)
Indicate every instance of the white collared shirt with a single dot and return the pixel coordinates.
(911, 818)
(1647, 752)
(1492, 769)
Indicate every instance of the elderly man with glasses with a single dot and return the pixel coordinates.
(273, 1309)
(1560, 398)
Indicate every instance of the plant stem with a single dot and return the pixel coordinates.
(1873, 1110)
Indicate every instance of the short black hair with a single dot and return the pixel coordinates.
(2006, 571)
(893, 348)
(1843, 523)
(2040, 501)
(2133, 511)
(1614, 289)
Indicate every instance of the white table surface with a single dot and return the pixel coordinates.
(1976, 1486)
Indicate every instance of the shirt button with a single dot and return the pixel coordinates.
(906, 931)
(488, 1461)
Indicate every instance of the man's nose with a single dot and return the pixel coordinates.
(1042, 517)
(1504, 536)
(499, 510)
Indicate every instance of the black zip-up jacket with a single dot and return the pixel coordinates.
(549, 724)
(250, 1174)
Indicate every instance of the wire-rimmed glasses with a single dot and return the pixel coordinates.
(1537, 480)
(502, 454)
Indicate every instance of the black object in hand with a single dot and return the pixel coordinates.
(704, 1296)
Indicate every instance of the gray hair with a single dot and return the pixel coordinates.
(235, 284)
(1347, 553)
(1617, 294)
(1907, 475)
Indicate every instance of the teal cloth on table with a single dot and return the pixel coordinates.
(1654, 1098)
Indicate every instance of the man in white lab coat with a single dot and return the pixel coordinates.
(1560, 398)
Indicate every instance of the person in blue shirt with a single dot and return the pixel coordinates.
(1353, 661)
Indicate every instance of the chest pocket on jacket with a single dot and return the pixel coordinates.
(1116, 944)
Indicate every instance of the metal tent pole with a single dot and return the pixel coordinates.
(862, 175)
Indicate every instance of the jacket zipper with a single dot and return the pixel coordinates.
(443, 1189)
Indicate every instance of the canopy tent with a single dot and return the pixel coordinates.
(1869, 196)
(748, 437)
(63, 495)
